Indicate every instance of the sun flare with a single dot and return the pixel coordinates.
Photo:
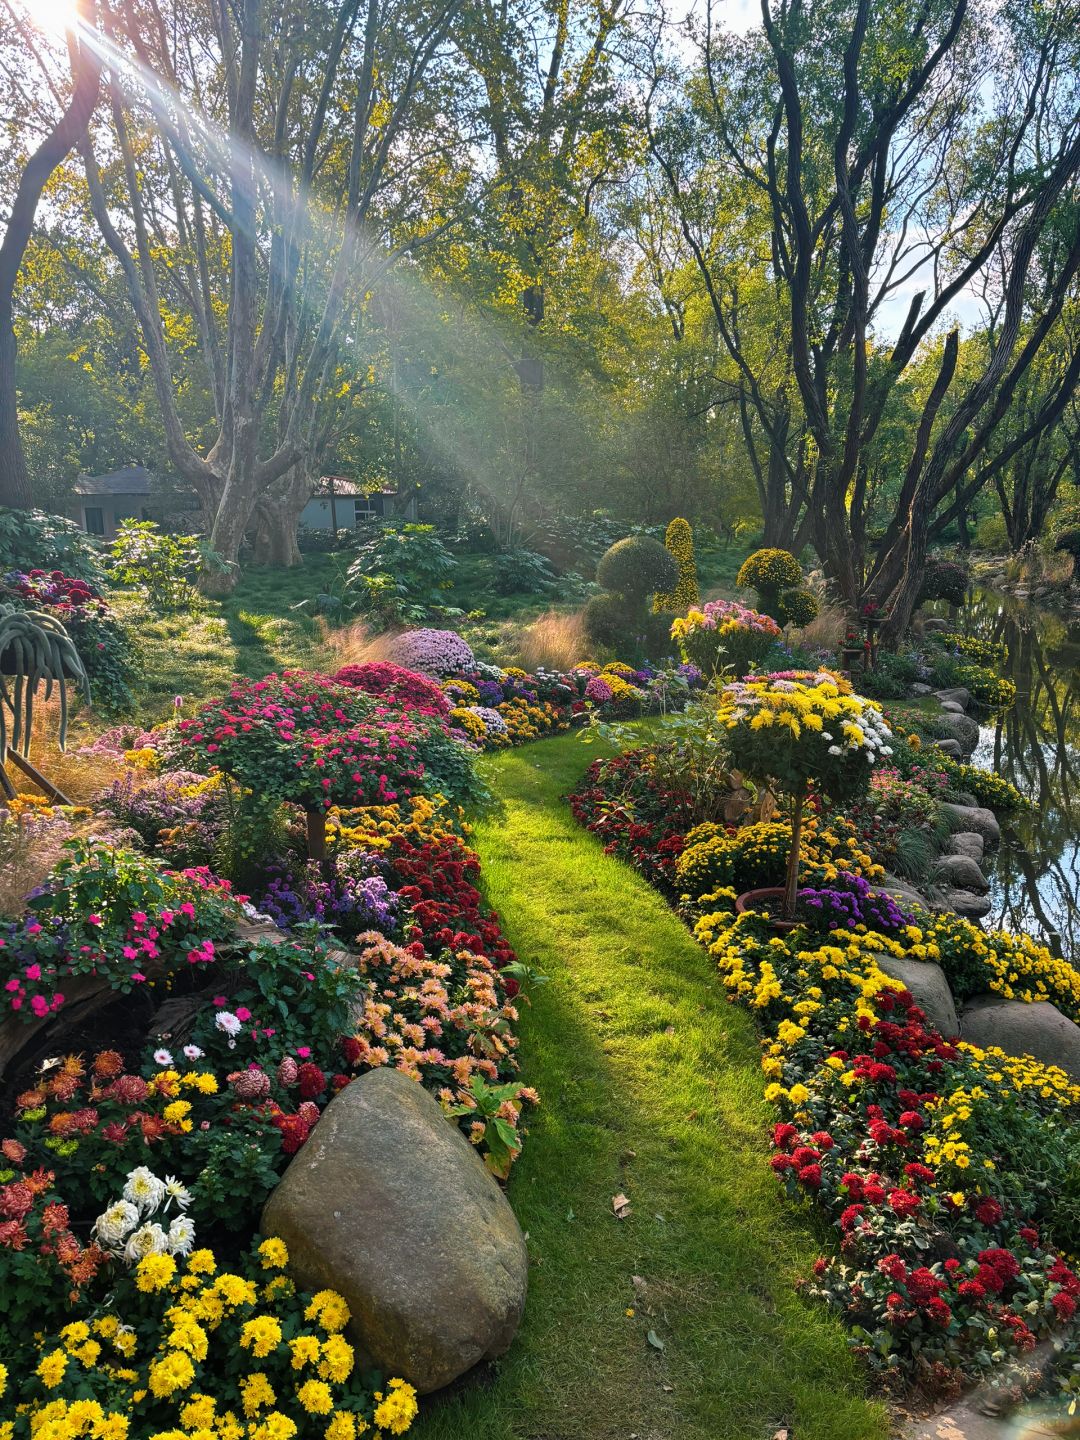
(56, 16)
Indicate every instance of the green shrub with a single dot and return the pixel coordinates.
(606, 622)
(401, 575)
(991, 534)
(890, 678)
(162, 567)
(30, 537)
(522, 572)
(636, 568)
(1069, 541)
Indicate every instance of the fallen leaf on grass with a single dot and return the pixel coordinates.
(621, 1205)
(654, 1340)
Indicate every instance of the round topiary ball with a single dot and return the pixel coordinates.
(797, 607)
(636, 567)
(769, 570)
(607, 624)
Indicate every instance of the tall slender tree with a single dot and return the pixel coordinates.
(61, 134)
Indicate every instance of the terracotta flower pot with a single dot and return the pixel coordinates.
(770, 899)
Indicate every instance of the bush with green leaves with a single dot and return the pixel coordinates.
(522, 572)
(892, 675)
(621, 619)
(401, 575)
(163, 568)
(637, 568)
(30, 537)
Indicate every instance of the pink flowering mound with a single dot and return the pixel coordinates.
(435, 652)
(393, 683)
(306, 738)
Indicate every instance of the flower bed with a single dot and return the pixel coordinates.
(134, 1302)
(944, 1169)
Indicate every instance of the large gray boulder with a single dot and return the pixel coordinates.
(1039, 1030)
(951, 707)
(956, 694)
(961, 872)
(389, 1204)
(950, 747)
(968, 903)
(904, 894)
(973, 817)
(960, 728)
(967, 842)
(929, 989)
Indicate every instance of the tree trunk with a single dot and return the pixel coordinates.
(220, 578)
(316, 835)
(15, 489)
(14, 477)
(791, 885)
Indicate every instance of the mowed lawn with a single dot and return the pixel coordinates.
(681, 1321)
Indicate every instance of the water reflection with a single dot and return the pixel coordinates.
(1036, 744)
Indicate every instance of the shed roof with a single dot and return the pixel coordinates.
(131, 480)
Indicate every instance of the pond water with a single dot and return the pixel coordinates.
(1035, 880)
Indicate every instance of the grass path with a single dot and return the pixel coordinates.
(651, 1088)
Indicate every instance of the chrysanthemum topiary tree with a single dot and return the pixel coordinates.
(776, 577)
(791, 731)
(679, 543)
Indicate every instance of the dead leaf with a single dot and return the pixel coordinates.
(654, 1340)
(621, 1205)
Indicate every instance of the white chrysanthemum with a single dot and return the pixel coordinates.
(177, 1191)
(192, 1052)
(149, 1239)
(144, 1189)
(835, 750)
(162, 1057)
(117, 1222)
(225, 1020)
(181, 1235)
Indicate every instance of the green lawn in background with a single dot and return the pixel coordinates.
(651, 1088)
(198, 652)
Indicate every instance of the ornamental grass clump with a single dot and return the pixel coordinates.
(724, 633)
(791, 734)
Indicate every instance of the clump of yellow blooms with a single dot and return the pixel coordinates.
(472, 724)
(756, 854)
(679, 543)
(161, 1364)
(374, 827)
